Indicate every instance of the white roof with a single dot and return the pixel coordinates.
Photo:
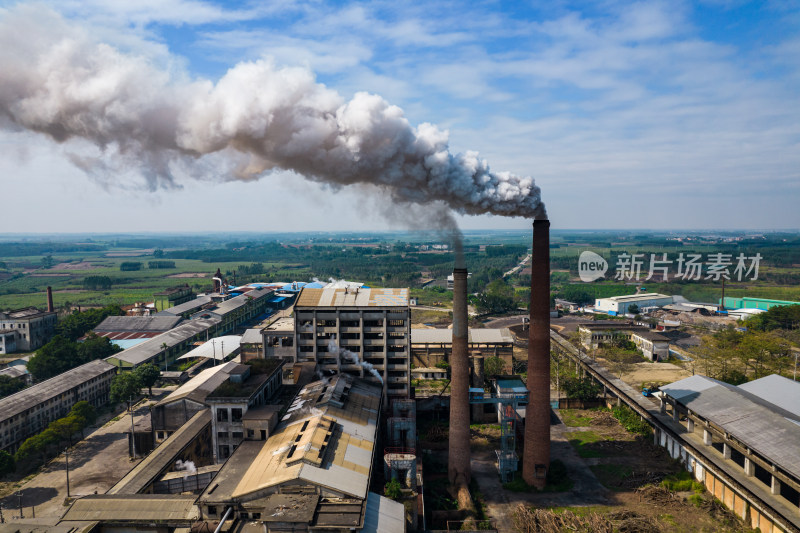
(637, 297)
(383, 515)
(777, 390)
(216, 348)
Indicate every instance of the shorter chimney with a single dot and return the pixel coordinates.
(50, 307)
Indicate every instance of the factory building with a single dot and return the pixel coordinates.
(242, 400)
(430, 347)
(29, 411)
(314, 472)
(371, 326)
(752, 429)
(619, 305)
(653, 346)
(172, 297)
(128, 331)
(187, 309)
(26, 329)
(746, 302)
(235, 312)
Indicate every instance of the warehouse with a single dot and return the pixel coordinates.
(620, 305)
(430, 347)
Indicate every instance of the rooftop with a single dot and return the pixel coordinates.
(24, 313)
(142, 352)
(138, 323)
(157, 508)
(260, 371)
(327, 439)
(757, 423)
(186, 307)
(476, 336)
(217, 348)
(252, 336)
(200, 386)
(360, 297)
(637, 297)
(32, 396)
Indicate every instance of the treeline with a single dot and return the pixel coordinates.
(785, 317)
(130, 266)
(21, 249)
(97, 283)
(160, 264)
(62, 354)
(48, 443)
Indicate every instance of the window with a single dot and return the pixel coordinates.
(222, 434)
(238, 435)
(224, 451)
(236, 414)
(222, 415)
(212, 510)
(250, 433)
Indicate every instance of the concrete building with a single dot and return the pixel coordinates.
(361, 331)
(278, 339)
(594, 335)
(313, 473)
(172, 297)
(235, 312)
(652, 345)
(432, 346)
(752, 429)
(248, 387)
(619, 305)
(29, 411)
(26, 329)
(252, 345)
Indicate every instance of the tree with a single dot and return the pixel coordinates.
(124, 387)
(584, 389)
(66, 427)
(494, 366)
(498, 297)
(158, 252)
(55, 357)
(148, 374)
(633, 309)
(7, 463)
(9, 386)
(393, 490)
(95, 347)
(85, 410)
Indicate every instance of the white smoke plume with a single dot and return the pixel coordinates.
(336, 350)
(146, 118)
(185, 466)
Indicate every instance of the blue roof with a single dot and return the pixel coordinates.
(276, 299)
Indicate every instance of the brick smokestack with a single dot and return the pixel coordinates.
(50, 307)
(536, 455)
(458, 467)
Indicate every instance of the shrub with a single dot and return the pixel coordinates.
(393, 490)
(631, 421)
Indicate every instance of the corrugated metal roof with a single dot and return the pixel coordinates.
(145, 351)
(638, 297)
(134, 508)
(476, 336)
(383, 515)
(14, 371)
(363, 297)
(777, 390)
(187, 307)
(753, 421)
(200, 386)
(138, 323)
(223, 308)
(33, 396)
(217, 348)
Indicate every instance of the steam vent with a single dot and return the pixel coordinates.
(536, 454)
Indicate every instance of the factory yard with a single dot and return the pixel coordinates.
(96, 463)
(612, 474)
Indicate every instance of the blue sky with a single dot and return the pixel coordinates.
(627, 114)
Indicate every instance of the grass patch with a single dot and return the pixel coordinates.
(573, 419)
(682, 482)
(611, 476)
(558, 480)
(631, 421)
(582, 442)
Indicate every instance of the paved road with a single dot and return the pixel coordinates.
(95, 465)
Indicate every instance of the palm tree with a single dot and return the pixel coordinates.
(164, 348)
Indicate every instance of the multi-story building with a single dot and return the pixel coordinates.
(31, 329)
(172, 297)
(31, 410)
(652, 345)
(248, 387)
(360, 331)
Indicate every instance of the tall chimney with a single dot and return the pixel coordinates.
(458, 467)
(50, 307)
(536, 454)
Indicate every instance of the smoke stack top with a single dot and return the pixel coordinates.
(258, 118)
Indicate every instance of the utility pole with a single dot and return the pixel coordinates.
(133, 433)
(19, 499)
(222, 350)
(66, 460)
